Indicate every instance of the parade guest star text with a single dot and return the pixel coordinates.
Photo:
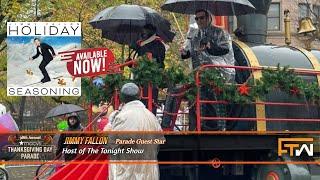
(140, 141)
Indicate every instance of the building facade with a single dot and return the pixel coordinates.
(298, 10)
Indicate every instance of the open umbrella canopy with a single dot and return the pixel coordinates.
(4, 137)
(63, 109)
(7, 122)
(124, 23)
(216, 7)
(129, 38)
(3, 129)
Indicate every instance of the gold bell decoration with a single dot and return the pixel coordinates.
(306, 26)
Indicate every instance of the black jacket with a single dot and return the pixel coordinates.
(47, 56)
(156, 48)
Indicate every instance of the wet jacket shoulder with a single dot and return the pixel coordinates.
(219, 44)
(156, 48)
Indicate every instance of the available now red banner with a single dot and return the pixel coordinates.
(88, 62)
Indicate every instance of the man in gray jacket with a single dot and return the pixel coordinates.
(209, 45)
(134, 116)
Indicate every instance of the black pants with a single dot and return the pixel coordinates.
(155, 92)
(208, 110)
(172, 105)
(43, 70)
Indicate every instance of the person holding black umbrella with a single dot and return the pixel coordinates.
(151, 44)
(123, 24)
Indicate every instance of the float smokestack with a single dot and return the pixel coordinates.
(254, 26)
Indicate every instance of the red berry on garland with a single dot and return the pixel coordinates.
(244, 90)
(295, 91)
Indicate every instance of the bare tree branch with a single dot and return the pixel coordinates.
(59, 101)
(42, 17)
(4, 47)
(80, 12)
(11, 106)
(312, 12)
(3, 37)
(21, 111)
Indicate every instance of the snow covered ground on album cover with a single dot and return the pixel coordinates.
(19, 52)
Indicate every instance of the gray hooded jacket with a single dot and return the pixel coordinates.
(219, 53)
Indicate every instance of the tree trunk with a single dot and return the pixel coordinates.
(21, 110)
(11, 106)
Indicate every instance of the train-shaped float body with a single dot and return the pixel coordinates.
(260, 146)
(261, 55)
(251, 50)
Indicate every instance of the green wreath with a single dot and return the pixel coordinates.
(146, 71)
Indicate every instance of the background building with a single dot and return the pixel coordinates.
(298, 9)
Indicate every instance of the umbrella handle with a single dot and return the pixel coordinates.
(176, 21)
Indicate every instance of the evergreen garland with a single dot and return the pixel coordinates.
(147, 70)
(191, 93)
(283, 79)
(113, 82)
(96, 94)
(174, 75)
(92, 93)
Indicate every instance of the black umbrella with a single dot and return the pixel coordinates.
(121, 37)
(63, 109)
(131, 37)
(216, 7)
(123, 24)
